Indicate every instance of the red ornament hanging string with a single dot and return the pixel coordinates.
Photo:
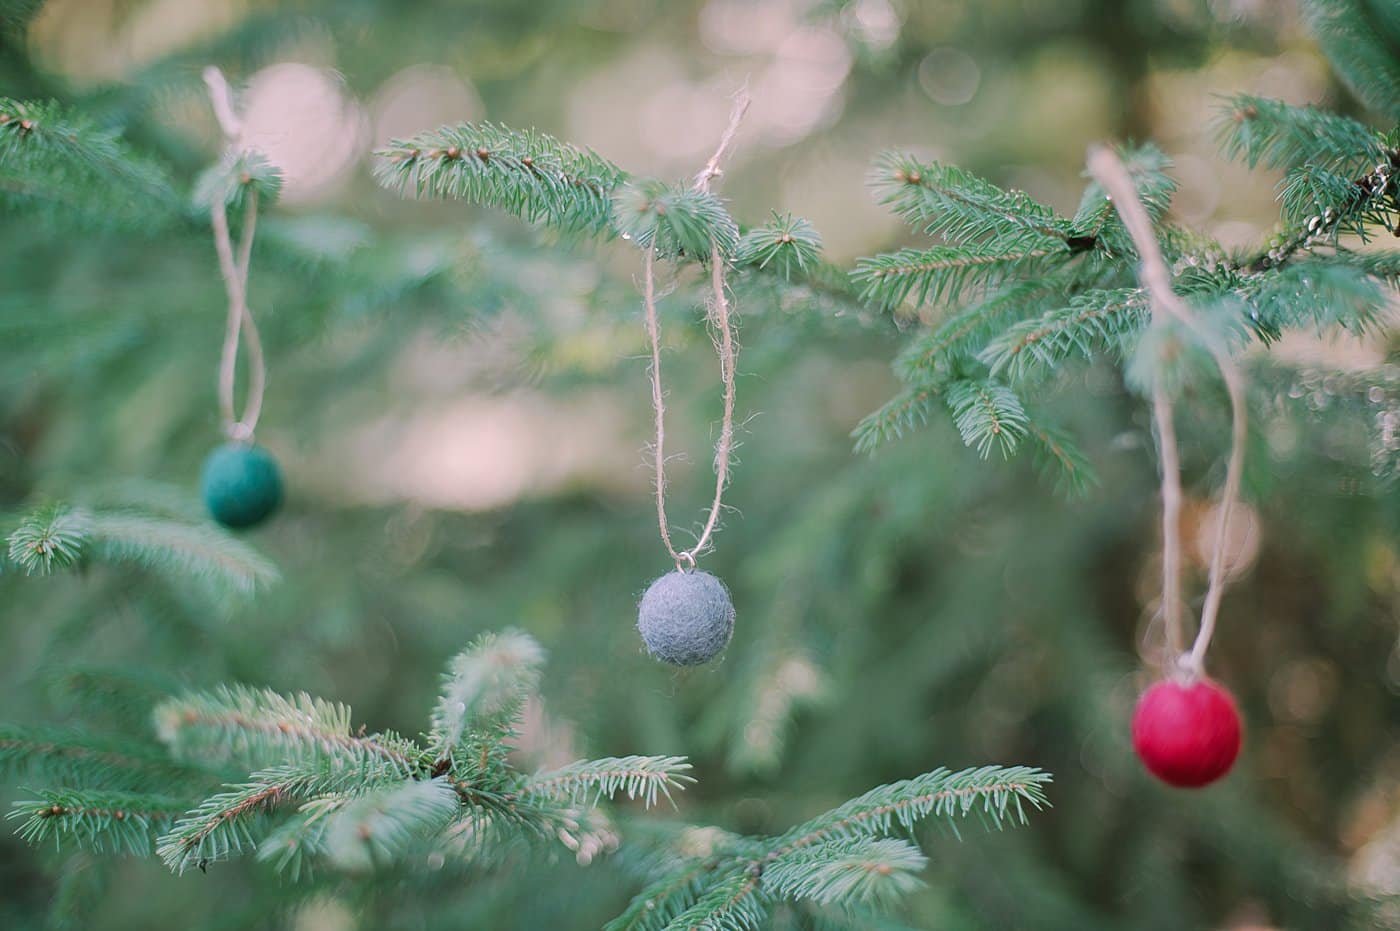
(1186, 728)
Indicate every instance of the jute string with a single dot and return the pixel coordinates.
(1108, 169)
(234, 270)
(726, 348)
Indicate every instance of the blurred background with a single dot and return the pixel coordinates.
(461, 409)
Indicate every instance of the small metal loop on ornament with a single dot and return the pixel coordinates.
(239, 432)
(685, 561)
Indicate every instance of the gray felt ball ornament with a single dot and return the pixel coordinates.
(686, 618)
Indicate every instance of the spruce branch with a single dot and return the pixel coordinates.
(996, 795)
(1097, 225)
(51, 538)
(904, 412)
(735, 903)
(293, 846)
(103, 822)
(239, 174)
(842, 858)
(958, 335)
(1075, 297)
(261, 727)
(1317, 291)
(574, 191)
(364, 800)
(862, 870)
(357, 830)
(780, 682)
(1170, 356)
(225, 824)
(849, 918)
(119, 693)
(60, 536)
(1353, 34)
(484, 687)
(1382, 264)
(1021, 259)
(201, 551)
(48, 154)
(379, 826)
(1093, 322)
(679, 221)
(1321, 202)
(786, 244)
(1059, 458)
(66, 756)
(527, 174)
(232, 821)
(1261, 131)
(638, 777)
(820, 288)
(661, 900)
(359, 803)
(947, 273)
(946, 201)
(987, 413)
(502, 816)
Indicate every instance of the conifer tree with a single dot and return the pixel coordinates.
(1014, 299)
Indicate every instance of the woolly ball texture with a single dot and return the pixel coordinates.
(686, 618)
(242, 485)
(1187, 735)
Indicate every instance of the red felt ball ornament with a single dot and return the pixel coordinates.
(1187, 734)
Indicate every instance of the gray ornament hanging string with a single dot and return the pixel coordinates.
(1108, 169)
(726, 348)
(234, 270)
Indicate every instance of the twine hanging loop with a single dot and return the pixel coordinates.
(1108, 169)
(234, 270)
(726, 347)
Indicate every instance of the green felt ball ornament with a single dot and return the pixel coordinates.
(242, 485)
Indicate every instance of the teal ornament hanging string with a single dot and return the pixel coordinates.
(686, 617)
(241, 483)
(1186, 728)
